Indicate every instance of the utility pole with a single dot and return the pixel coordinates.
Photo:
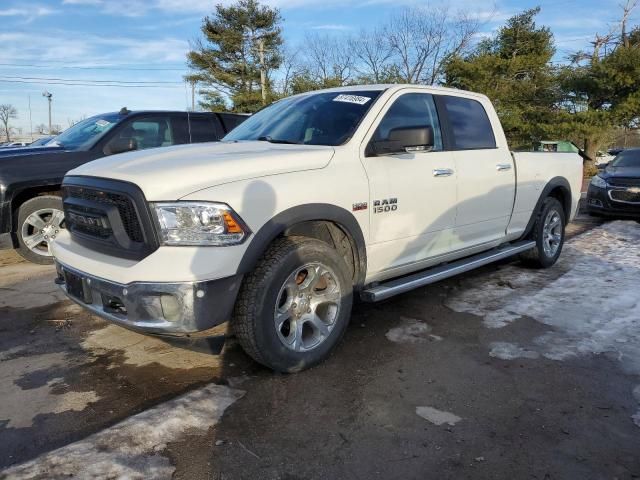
(30, 122)
(48, 96)
(263, 73)
(193, 95)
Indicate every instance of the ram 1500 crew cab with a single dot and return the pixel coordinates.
(367, 191)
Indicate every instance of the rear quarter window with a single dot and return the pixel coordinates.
(469, 123)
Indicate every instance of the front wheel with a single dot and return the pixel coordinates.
(548, 233)
(294, 307)
(40, 220)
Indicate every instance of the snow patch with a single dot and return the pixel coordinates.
(437, 417)
(411, 331)
(130, 449)
(511, 351)
(593, 307)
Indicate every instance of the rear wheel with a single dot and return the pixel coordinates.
(548, 233)
(39, 222)
(294, 307)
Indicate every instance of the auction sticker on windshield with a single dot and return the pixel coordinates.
(352, 99)
(102, 123)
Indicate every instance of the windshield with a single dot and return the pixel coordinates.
(86, 131)
(627, 158)
(315, 119)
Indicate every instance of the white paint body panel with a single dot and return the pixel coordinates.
(436, 221)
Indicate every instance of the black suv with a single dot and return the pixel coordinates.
(615, 191)
(30, 178)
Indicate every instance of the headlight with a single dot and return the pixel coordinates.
(198, 223)
(598, 181)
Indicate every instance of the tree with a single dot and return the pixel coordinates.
(41, 129)
(330, 60)
(514, 70)
(7, 112)
(602, 90)
(421, 41)
(240, 50)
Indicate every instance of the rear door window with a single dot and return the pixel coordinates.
(205, 128)
(180, 127)
(469, 123)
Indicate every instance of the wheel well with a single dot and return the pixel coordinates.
(561, 194)
(28, 194)
(333, 235)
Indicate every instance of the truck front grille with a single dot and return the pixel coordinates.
(109, 216)
(123, 203)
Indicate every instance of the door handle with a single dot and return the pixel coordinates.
(442, 172)
(502, 167)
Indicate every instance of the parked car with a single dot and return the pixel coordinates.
(42, 141)
(15, 144)
(30, 203)
(370, 190)
(615, 191)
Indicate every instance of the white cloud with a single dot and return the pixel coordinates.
(332, 26)
(32, 11)
(81, 2)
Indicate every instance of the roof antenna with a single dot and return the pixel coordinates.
(124, 111)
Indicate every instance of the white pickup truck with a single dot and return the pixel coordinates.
(368, 191)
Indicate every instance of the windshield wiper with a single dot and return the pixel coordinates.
(267, 138)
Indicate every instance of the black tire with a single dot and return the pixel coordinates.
(538, 257)
(253, 319)
(45, 203)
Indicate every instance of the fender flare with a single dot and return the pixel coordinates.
(555, 182)
(261, 240)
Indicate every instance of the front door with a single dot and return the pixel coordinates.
(412, 195)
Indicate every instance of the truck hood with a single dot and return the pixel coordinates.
(170, 173)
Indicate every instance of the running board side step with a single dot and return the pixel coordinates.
(390, 288)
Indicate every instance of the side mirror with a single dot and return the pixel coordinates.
(121, 145)
(402, 140)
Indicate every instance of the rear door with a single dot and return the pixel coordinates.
(205, 128)
(485, 172)
(412, 204)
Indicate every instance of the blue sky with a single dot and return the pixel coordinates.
(146, 40)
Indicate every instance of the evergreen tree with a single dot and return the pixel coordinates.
(240, 49)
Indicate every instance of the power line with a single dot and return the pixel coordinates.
(31, 82)
(97, 67)
(11, 77)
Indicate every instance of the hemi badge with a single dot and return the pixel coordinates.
(360, 206)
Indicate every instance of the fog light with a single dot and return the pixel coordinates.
(171, 308)
(595, 202)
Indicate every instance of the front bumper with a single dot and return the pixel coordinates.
(599, 202)
(153, 307)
